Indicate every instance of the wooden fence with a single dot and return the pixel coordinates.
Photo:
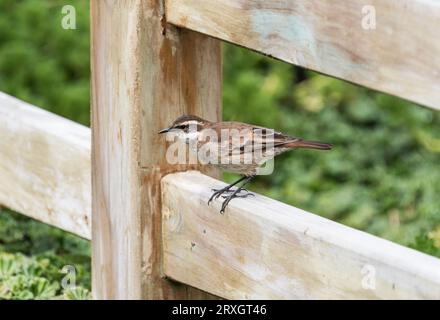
(153, 236)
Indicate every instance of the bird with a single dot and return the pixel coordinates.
(235, 147)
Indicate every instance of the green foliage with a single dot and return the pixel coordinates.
(427, 244)
(32, 256)
(38, 58)
(382, 175)
(20, 278)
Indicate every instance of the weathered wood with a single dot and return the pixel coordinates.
(264, 249)
(401, 56)
(45, 166)
(144, 75)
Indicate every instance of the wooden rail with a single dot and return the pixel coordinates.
(401, 56)
(263, 249)
(45, 166)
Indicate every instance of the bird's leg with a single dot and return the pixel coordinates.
(218, 192)
(234, 194)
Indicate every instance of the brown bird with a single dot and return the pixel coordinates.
(235, 147)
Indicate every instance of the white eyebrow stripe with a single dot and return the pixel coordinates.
(190, 122)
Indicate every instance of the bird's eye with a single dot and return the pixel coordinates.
(182, 127)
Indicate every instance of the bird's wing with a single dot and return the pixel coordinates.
(237, 137)
(255, 144)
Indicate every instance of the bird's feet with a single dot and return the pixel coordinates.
(228, 192)
(239, 194)
(228, 195)
(218, 192)
(235, 194)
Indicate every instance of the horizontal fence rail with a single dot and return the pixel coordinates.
(389, 45)
(261, 248)
(45, 166)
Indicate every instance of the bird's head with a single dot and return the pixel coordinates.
(186, 127)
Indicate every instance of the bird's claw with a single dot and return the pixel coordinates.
(232, 196)
(228, 193)
(217, 193)
(241, 195)
(224, 193)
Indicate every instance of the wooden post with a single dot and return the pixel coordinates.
(144, 74)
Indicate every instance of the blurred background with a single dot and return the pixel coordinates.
(383, 175)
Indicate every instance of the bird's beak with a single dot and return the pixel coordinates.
(164, 130)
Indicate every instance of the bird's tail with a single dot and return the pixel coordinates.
(299, 143)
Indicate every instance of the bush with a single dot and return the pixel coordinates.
(32, 258)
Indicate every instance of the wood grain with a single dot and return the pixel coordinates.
(401, 56)
(144, 75)
(45, 166)
(264, 249)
